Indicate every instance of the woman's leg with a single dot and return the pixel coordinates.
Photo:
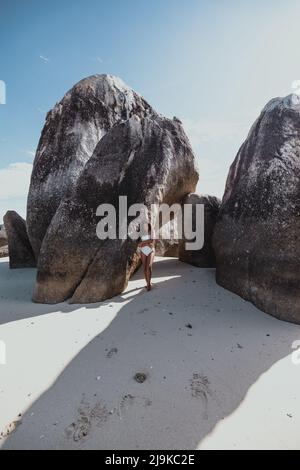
(145, 267)
(150, 260)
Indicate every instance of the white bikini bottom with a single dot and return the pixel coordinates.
(147, 250)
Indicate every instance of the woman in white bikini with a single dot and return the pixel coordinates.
(147, 251)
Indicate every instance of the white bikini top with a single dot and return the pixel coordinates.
(145, 238)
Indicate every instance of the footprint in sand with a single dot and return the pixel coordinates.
(200, 388)
(88, 416)
(111, 352)
(129, 400)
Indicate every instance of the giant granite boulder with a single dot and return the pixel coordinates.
(205, 257)
(20, 251)
(257, 235)
(147, 159)
(72, 130)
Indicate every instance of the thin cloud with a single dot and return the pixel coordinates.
(44, 59)
(14, 186)
(14, 180)
(206, 130)
(31, 153)
(97, 59)
(207, 136)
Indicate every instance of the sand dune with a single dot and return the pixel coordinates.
(217, 372)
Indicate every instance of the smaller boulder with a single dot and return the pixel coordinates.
(3, 237)
(19, 248)
(204, 258)
(166, 248)
(4, 251)
(167, 243)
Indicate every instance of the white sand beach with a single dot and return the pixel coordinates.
(219, 373)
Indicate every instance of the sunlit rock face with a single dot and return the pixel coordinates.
(167, 248)
(167, 239)
(4, 251)
(72, 130)
(257, 235)
(3, 236)
(3, 242)
(19, 248)
(149, 160)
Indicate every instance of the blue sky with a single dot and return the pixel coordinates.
(213, 64)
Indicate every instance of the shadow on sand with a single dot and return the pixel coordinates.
(199, 347)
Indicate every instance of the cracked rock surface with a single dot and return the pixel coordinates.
(141, 155)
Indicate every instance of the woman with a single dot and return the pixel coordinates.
(147, 251)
